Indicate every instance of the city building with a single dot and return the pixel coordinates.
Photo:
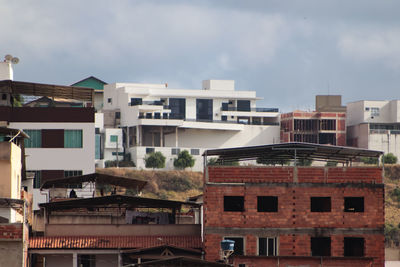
(294, 215)
(374, 125)
(154, 117)
(325, 125)
(14, 202)
(98, 86)
(115, 227)
(62, 138)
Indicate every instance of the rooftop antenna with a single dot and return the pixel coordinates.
(9, 58)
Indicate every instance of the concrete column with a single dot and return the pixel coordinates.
(138, 135)
(176, 137)
(74, 259)
(119, 260)
(161, 136)
(127, 137)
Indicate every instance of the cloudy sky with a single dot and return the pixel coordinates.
(287, 51)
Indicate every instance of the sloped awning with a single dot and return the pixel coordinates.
(95, 178)
(290, 151)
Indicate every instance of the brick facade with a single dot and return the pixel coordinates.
(293, 224)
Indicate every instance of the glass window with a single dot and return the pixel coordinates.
(374, 111)
(204, 109)
(114, 138)
(35, 139)
(178, 108)
(72, 173)
(72, 138)
(175, 151)
(267, 246)
(149, 150)
(195, 151)
(98, 147)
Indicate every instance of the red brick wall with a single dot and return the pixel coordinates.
(10, 231)
(257, 174)
(291, 247)
(293, 207)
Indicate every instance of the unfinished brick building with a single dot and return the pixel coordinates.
(293, 215)
(326, 125)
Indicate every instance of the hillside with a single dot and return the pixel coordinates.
(171, 185)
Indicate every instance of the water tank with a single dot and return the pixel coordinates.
(227, 244)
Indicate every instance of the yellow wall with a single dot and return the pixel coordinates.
(10, 170)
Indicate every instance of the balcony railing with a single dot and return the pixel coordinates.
(250, 109)
(150, 103)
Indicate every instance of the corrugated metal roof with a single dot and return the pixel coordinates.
(106, 242)
(288, 151)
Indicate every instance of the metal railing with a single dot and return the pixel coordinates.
(250, 109)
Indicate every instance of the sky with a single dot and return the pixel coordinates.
(287, 51)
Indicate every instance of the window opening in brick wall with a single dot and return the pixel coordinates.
(242, 265)
(239, 245)
(354, 204)
(268, 246)
(320, 204)
(87, 260)
(320, 246)
(353, 247)
(233, 203)
(267, 204)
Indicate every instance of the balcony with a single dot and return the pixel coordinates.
(224, 108)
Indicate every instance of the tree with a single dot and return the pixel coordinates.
(304, 162)
(184, 160)
(389, 158)
(155, 160)
(369, 160)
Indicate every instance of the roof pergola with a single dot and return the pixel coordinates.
(98, 178)
(50, 90)
(292, 151)
(119, 201)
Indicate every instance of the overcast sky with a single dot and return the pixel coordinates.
(287, 51)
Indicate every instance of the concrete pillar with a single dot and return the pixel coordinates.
(74, 259)
(176, 137)
(161, 136)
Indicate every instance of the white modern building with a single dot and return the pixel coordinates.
(374, 125)
(62, 139)
(154, 117)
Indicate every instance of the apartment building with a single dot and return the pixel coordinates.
(374, 125)
(154, 117)
(14, 202)
(112, 228)
(61, 140)
(325, 125)
(293, 215)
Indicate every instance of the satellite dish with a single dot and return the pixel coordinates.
(14, 60)
(8, 57)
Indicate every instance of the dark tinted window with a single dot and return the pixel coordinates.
(178, 108)
(354, 204)
(267, 204)
(204, 109)
(353, 247)
(243, 105)
(233, 203)
(320, 246)
(320, 204)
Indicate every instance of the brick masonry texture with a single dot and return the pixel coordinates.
(294, 224)
(10, 231)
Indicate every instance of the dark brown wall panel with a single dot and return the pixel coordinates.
(51, 175)
(52, 138)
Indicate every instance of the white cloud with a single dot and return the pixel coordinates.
(372, 45)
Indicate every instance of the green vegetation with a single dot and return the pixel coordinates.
(113, 163)
(370, 161)
(304, 162)
(389, 158)
(155, 160)
(214, 161)
(184, 160)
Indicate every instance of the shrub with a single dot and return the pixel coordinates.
(371, 161)
(214, 161)
(389, 158)
(155, 160)
(304, 162)
(184, 160)
(113, 163)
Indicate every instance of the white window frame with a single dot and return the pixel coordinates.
(268, 237)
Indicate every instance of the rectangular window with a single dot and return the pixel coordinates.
(233, 203)
(149, 150)
(109, 100)
(267, 204)
(4, 97)
(114, 138)
(354, 204)
(204, 109)
(35, 139)
(178, 108)
(224, 118)
(374, 112)
(268, 246)
(239, 245)
(175, 151)
(97, 149)
(195, 151)
(320, 246)
(87, 260)
(136, 101)
(72, 173)
(320, 204)
(353, 247)
(72, 138)
(119, 153)
(243, 105)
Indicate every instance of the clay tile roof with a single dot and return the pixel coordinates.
(106, 242)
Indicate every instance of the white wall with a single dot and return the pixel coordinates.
(6, 71)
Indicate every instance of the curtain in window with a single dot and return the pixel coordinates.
(72, 138)
(35, 139)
